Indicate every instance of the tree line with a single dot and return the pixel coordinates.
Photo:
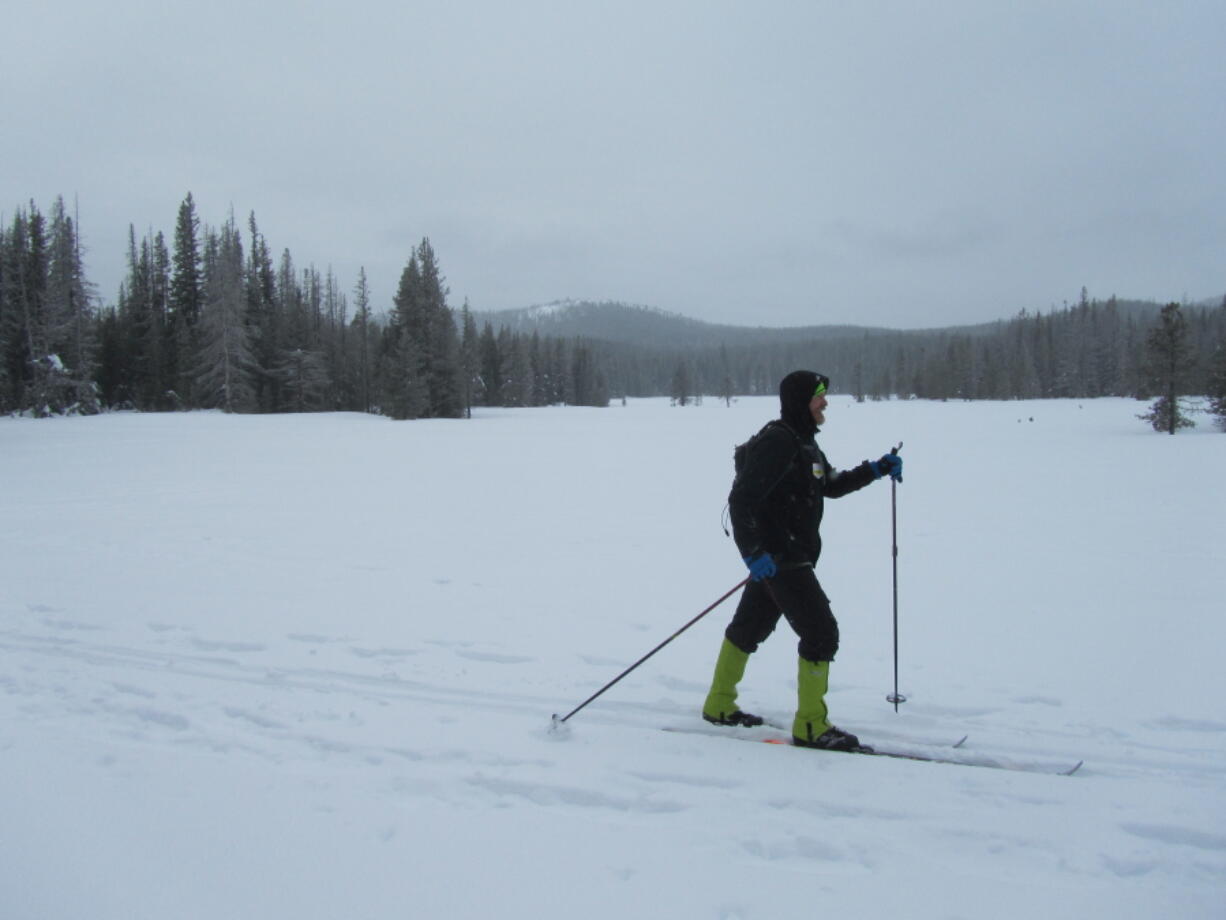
(212, 320)
(1092, 349)
(1095, 348)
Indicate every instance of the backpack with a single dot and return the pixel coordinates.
(740, 455)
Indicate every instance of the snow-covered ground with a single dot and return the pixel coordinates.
(304, 666)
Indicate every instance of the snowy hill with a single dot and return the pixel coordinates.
(303, 668)
(644, 326)
(647, 326)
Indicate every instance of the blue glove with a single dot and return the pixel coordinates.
(890, 463)
(761, 566)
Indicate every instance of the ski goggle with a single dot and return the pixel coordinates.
(822, 383)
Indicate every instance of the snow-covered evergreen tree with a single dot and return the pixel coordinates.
(186, 303)
(1168, 354)
(226, 375)
(425, 320)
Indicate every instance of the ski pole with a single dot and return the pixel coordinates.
(559, 720)
(895, 697)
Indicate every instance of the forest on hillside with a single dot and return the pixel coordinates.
(210, 319)
(1094, 348)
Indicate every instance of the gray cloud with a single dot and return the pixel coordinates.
(758, 163)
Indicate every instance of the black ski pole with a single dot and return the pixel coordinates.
(558, 720)
(895, 697)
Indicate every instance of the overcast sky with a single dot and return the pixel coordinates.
(775, 163)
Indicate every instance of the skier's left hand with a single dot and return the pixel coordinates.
(761, 566)
(891, 464)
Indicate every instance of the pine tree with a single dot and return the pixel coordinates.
(143, 302)
(225, 375)
(425, 319)
(405, 395)
(857, 381)
(32, 300)
(519, 384)
(305, 380)
(333, 335)
(299, 369)
(362, 337)
(1168, 353)
(490, 363)
(404, 367)
(725, 377)
(681, 390)
(111, 372)
(538, 364)
(70, 319)
(470, 342)
(266, 290)
(186, 283)
(167, 346)
(507, 384)
(23, 284)
(186, 301)
(32, 286)
(277, 311)
(556, 362)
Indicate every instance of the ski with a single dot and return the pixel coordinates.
(964, 758)
(970, 760)
(739, 732)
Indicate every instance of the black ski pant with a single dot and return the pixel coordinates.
(792, 593)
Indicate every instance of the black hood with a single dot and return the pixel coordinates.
(795, 393)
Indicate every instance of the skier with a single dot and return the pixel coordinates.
(776, 511)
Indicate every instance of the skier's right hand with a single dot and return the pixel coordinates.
(761, 566)
(891, 463)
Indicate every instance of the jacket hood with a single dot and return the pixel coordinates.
(795, 393)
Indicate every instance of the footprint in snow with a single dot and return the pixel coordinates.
(312, 638)
(210, 645)
(254, 718)
(1178, 724)
(1037, 701)
(393, 653)
(495, 658)
(160, 718)
(1178, 836)
(72, 625)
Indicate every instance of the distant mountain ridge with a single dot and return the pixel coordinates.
(651, 327)
(612, 321)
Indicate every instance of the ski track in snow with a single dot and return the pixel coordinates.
(299, 724)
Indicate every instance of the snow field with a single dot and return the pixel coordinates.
(304, 667)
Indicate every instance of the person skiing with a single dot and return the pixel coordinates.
(775, 507)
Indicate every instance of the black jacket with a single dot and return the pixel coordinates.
(777, 499)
